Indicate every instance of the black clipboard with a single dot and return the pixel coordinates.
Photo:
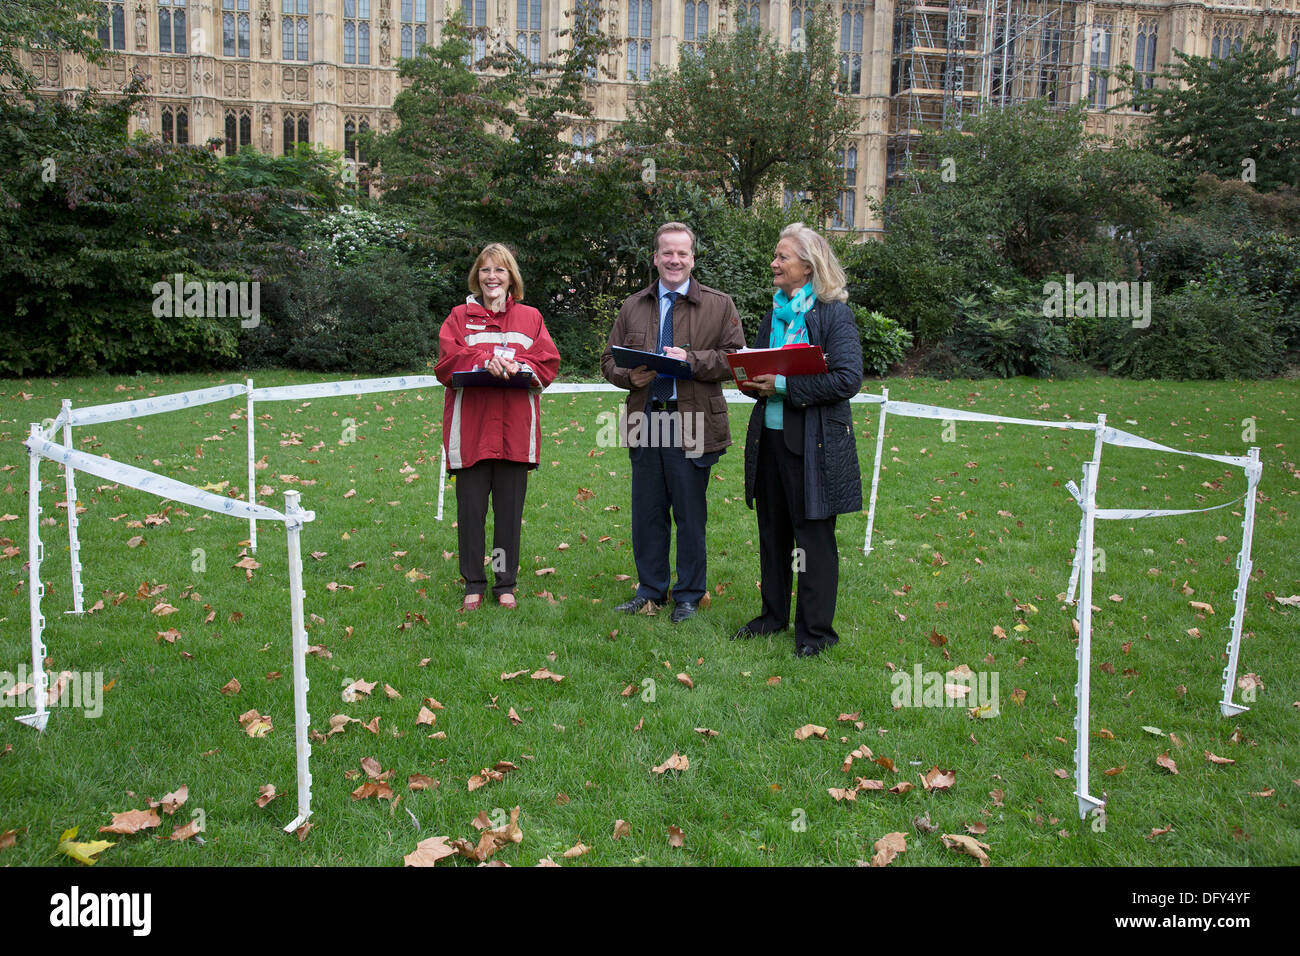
(634, 358)
(482, 378)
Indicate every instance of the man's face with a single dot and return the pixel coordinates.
(674, 259)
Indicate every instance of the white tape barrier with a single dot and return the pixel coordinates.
(154, 484)
(1114, 436)
(1124, 514)
(94, 414)
(285, 393)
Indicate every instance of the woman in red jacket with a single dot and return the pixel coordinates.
(491, 433)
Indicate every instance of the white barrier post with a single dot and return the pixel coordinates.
(70, 489)
(442, 482)
(294, 518)
(875, 471)
(1079, 555)
(252, 486)
(1244, 566)
(35, 589)
(1083, 688)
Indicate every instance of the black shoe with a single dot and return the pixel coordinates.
(812, 650)
(632, 606)
(684, 610)
(754, 628)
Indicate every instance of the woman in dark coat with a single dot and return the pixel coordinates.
(801, 461)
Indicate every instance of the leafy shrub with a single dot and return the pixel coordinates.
(372, 316)
(1268, 268)
(1007, 334)
(884, 341)
(1197, 333)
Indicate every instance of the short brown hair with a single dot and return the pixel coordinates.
(503, 255)
(675, 227)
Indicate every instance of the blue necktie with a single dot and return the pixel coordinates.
(661, 390)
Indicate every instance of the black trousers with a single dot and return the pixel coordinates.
(506, 482)
(779, 501)
(664, 482)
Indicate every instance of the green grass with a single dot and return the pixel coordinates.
(753, 794)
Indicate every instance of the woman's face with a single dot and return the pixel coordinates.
(493, 279)
(789, 272)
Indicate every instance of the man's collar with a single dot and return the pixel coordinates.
(690, 290)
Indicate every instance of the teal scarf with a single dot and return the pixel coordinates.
(789, 326)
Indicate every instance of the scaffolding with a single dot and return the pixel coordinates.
(953, 60)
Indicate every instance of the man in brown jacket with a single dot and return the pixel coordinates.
(675, 429)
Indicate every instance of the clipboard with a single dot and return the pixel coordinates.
(633, 358)
(801, 359)
(482, 378)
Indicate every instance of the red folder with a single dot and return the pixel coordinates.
(800, 359)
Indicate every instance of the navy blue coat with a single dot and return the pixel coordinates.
(818, 420)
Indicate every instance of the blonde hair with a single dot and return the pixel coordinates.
(675, 227)
(503, 256)
(828, 277)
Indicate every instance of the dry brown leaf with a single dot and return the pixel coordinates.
(7, 839)
(938, 779)
(428, 852)
(266, 793)
(513, 717)
(171, 802)
(675, 836)
(1167, 762)
(810, 730)
(864, 784)
(132, 821)
(419, 781)
(255, 724)
(968, 845)
(902, 788)
(997, 796)
(1158, 831)
(842, 793)
(373, 788)
(426, 717)
(675, 762)
(979, 828)
(686, 679)
(706, 732)
(621, 829)
(1201, 606)
(575, 851)
(888, 847)
(543, 674)
(1221, 761)
(1115, 771)
(391, 692)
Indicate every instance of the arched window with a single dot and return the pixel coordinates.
(851, 48)
(696, 27)
(1099, 63)
(112, 27)
(639, 16)
(295, 29)
(171, 26)
(528, 29)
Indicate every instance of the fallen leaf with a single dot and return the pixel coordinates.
(621, 829)
(675, 762)
(543, 674)
(968, 845)
(266, 793)
(685, 679)
(132, 821)
(419, 781)
(1221, 761)
(1167, 762)
(172, 802)
(938, 779)
(888, 847)
(428, 852)
(810, 730)
(185, 832)
(232, 687)
(426, 717)
(373, 788)
(706, 732)
(87, 852)
(676, 837)
(575, 851)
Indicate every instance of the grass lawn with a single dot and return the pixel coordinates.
(966, 531)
